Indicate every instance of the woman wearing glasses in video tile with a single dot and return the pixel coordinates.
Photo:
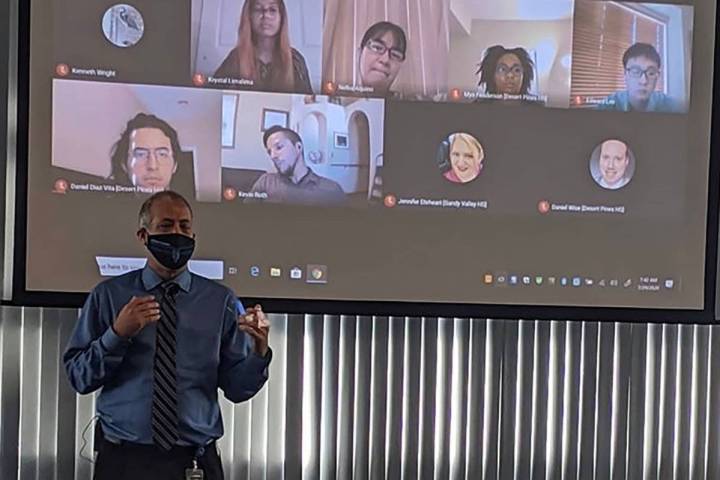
(263, 53)
(506, 74)
(382, 53)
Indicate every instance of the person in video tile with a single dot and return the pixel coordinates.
(263, 53)
(642, 66)
(145, 155)
(382, 53)
(613, 165)
(294, 181)
(466, 157)
(506, 71)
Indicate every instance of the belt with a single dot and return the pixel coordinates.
(177, 450)
(150, 448)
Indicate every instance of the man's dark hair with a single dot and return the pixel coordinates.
(488, 65)
(641, 50)
(376, 31)
(290, 134)
(119, 152)
(144, 216)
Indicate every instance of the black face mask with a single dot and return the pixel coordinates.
(172, 250)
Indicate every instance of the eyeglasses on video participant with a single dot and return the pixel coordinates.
(146, 155)
(506, 71)
(263, 53)
(382, 54)
(642, 68)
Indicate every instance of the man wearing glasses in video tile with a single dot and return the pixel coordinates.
(146, 155)
(643, 67)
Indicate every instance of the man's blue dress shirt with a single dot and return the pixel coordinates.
(211, 352)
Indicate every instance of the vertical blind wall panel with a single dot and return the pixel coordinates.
(637, 398)
(539, 352)
(394, 387)
(475, 400)
(11, 364)
(571, 401)
(378, 420)
(329, 404)
(712, 445)
(459, 398)
(494, 372)
(412, 398)
(698, 418)
(668, 387)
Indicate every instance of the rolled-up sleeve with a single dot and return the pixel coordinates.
(94, 351)
(241, 373)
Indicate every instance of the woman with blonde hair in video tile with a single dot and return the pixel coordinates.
(466, 157)
(263, 53)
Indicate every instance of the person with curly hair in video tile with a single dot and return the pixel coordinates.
(146, 155)
(506, 71)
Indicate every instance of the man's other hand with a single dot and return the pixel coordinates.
(255, 323)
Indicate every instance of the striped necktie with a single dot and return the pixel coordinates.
(164, 405)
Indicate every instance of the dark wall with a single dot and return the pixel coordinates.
(5, 32)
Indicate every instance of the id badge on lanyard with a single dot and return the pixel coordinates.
(194, 473)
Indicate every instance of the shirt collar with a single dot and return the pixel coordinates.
(151, 279)
(309, 177)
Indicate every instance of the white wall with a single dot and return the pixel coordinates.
(375, 112)
(85, 131)
(249, 151)
(338, 161)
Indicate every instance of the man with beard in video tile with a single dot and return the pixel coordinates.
(294, 181)
(642, 69)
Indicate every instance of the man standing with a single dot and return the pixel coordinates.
(294, 181)
(642, 67)
(613, 164)
(159, 342)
